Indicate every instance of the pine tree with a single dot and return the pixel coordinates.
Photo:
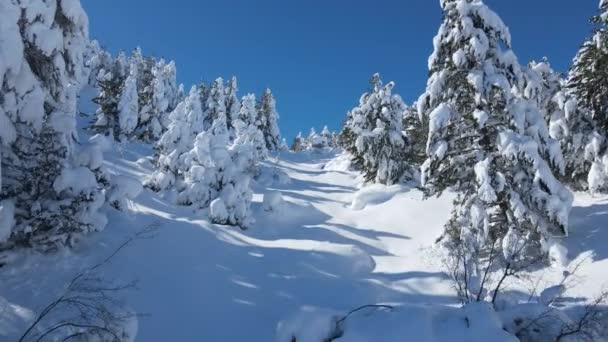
(485, 142)
(268, 119)
(380, 146)
(49, 198)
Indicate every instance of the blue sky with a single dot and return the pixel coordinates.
(317, 55)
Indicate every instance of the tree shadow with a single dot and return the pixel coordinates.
(588, 231)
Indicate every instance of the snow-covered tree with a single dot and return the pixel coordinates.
(487, 140)
(233, 105)
(96, 60)
(567, 125)
(380, 146)
(110, 83)
(347, 139)
(215, 105)
(588, 78)
(328, 136)
(158, 96)
(269, 121)
(48, 197)
(416, 131)
(586, 102)
(247, 128)
(128, 104)
(299, 143)
(315, 140)
(217, 177)
(187, 121)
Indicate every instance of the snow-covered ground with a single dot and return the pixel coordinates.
(329, 245)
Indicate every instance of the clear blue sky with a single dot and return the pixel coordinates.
(317, 55)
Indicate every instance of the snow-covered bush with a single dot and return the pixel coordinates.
(489, 141)
(375, 135)
(48, 198)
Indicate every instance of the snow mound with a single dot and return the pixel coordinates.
(375, 194)
(273, 201)
(310, 324)
(7, 218)
(474, 322)
(13, 317)
(341, 163)
(124, 188)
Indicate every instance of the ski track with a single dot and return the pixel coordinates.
(203, 282)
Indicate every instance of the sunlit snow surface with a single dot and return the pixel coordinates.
(332, 246)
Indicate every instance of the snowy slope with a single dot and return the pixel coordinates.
(331, 246)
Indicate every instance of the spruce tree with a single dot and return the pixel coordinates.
(486, 142)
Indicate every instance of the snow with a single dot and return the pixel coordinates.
(375, 194)
(318, 253)
(75, 180)
(439, 117)
(7, 219)
(124, 188)
(475, 322)
(273, 201)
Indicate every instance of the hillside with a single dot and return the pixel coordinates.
(199, 281)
